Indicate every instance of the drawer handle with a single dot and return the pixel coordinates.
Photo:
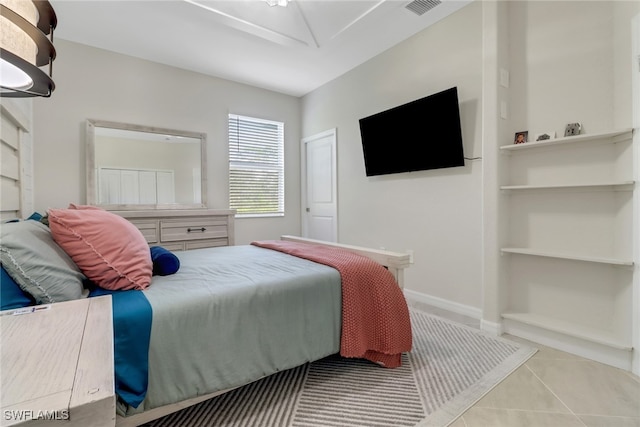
(189, 230)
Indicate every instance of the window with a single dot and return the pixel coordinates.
(256, 166)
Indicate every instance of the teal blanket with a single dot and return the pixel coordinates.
(132, 317)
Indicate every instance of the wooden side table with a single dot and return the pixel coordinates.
(56, 365)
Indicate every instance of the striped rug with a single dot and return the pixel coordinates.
(450, 367)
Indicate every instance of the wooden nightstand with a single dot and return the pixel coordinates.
(56, 365)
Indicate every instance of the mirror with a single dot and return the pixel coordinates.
(137, 167)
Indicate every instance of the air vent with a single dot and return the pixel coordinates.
(420, 7)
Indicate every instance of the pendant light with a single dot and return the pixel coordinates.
(24, 47)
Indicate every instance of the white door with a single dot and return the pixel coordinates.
(129, 187)
(166, 188)
(197, 185)
(109, 187)
(148, 188)
(320, 187)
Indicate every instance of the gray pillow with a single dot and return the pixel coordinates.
(38, 265)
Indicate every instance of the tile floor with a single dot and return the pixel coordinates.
(554, 389)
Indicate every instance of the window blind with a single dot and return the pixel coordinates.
(256, 166)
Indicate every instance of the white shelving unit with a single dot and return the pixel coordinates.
(568, 246)
(603, 137)
(611, 261)
(624, 185)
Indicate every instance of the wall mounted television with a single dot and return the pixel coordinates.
(420, 135)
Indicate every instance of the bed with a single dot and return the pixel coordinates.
(233, 314)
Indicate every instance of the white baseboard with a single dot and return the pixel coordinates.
(618, 358)
(455, 307)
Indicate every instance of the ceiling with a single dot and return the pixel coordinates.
(293, 49)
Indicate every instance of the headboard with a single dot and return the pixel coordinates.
(16, 180)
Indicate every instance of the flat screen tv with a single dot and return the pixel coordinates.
(420, 135)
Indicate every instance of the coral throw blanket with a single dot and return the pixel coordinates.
(375, 317)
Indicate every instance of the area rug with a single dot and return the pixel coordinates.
(450, 368)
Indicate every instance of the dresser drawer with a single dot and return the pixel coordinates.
(149, 230)
(180, 230)
(199, 244)
(172, 230)
(177, 246)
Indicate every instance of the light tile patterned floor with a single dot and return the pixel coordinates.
(554, 389)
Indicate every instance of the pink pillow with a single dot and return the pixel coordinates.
(108, 249)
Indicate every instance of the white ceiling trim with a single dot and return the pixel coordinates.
(306, 24)
(359, 18)
(251, 28)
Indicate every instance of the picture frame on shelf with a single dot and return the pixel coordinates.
(573, 129)
(543, 136)
(521, 137)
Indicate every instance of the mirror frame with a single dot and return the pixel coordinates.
(92, 181)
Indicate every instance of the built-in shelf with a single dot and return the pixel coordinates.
(562, 272)
(570, 329)
(605, 136)
(621, 186)
(573, 257)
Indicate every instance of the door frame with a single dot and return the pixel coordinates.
(303, 177)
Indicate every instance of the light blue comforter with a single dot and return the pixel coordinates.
(232, 315)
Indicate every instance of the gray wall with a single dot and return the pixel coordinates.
(436, 213)
(97, 84)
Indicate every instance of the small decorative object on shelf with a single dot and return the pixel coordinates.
(572, 129)
(545, 136)
(521, 137)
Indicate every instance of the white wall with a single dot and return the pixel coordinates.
(562, 70)
(623, 12)
(97, 84)
(435, 213)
